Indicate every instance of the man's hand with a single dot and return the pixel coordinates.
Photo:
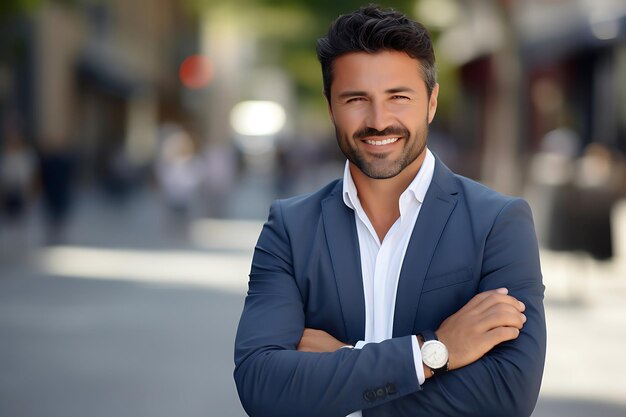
(489, 318)
(318, 341)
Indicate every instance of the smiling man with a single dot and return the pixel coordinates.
(402, 289)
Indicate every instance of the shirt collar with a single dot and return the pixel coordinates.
(418, 187)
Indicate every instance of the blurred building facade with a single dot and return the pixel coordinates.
(527, 68)
(97, 77)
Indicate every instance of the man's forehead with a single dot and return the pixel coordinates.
(386, 70)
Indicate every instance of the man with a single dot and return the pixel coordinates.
(351, 286)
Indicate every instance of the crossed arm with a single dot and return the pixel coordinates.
(497, 345)
(488, 319)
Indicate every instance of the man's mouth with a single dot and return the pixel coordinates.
(381, 142)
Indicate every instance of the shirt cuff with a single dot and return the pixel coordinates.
(417, 358)
(360, 344)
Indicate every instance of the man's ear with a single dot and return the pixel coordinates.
(432, 103)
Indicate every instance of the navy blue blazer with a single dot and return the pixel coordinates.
(306, 273)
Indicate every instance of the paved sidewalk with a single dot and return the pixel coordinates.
(126, 319)
(586, 317)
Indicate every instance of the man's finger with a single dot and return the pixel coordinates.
(501, 318)
(501, 334)
(480, 297)
(495, 299)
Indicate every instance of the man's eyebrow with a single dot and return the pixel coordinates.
(395, 90)
(400, 90)
(348, 94)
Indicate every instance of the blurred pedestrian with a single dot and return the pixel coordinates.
(594, 193)
(552, 171)
(178, 176)
(219, 168)
(56, 169)
(17, 169)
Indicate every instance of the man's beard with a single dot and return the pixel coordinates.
(413, 148)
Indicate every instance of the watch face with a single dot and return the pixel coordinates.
(434, 354)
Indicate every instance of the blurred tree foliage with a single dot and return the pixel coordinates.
(11, 8)
(16, 8)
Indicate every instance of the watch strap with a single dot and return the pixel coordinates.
(428, 335)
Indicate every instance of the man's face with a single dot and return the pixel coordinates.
(380, 107)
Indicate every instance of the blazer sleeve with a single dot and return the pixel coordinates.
(506, 381)
(274, 379)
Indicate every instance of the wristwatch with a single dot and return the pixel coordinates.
(434, 353)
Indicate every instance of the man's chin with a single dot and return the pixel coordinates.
(380, 173)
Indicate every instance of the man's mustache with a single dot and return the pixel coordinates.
(389, 131)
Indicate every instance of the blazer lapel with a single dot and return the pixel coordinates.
(437, 207)
(342, 240)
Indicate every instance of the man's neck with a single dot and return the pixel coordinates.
(380, 199)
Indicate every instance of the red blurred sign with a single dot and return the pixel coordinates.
(196, 72)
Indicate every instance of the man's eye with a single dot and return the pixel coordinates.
(400, 97)
(353, 99)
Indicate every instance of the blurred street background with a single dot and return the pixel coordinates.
(141, 143)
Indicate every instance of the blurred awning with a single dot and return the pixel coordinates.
(546, 31)
(556, 30)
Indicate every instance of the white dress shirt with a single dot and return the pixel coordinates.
(381, 262)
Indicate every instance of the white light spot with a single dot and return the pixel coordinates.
(258, 118)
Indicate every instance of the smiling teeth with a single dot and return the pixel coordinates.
(381, 142)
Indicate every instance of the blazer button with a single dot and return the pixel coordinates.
(370, 396)
(391, 389)
(381, 393)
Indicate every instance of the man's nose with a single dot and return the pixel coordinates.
(378, 116)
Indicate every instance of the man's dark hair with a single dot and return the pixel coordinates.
(372, 29)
